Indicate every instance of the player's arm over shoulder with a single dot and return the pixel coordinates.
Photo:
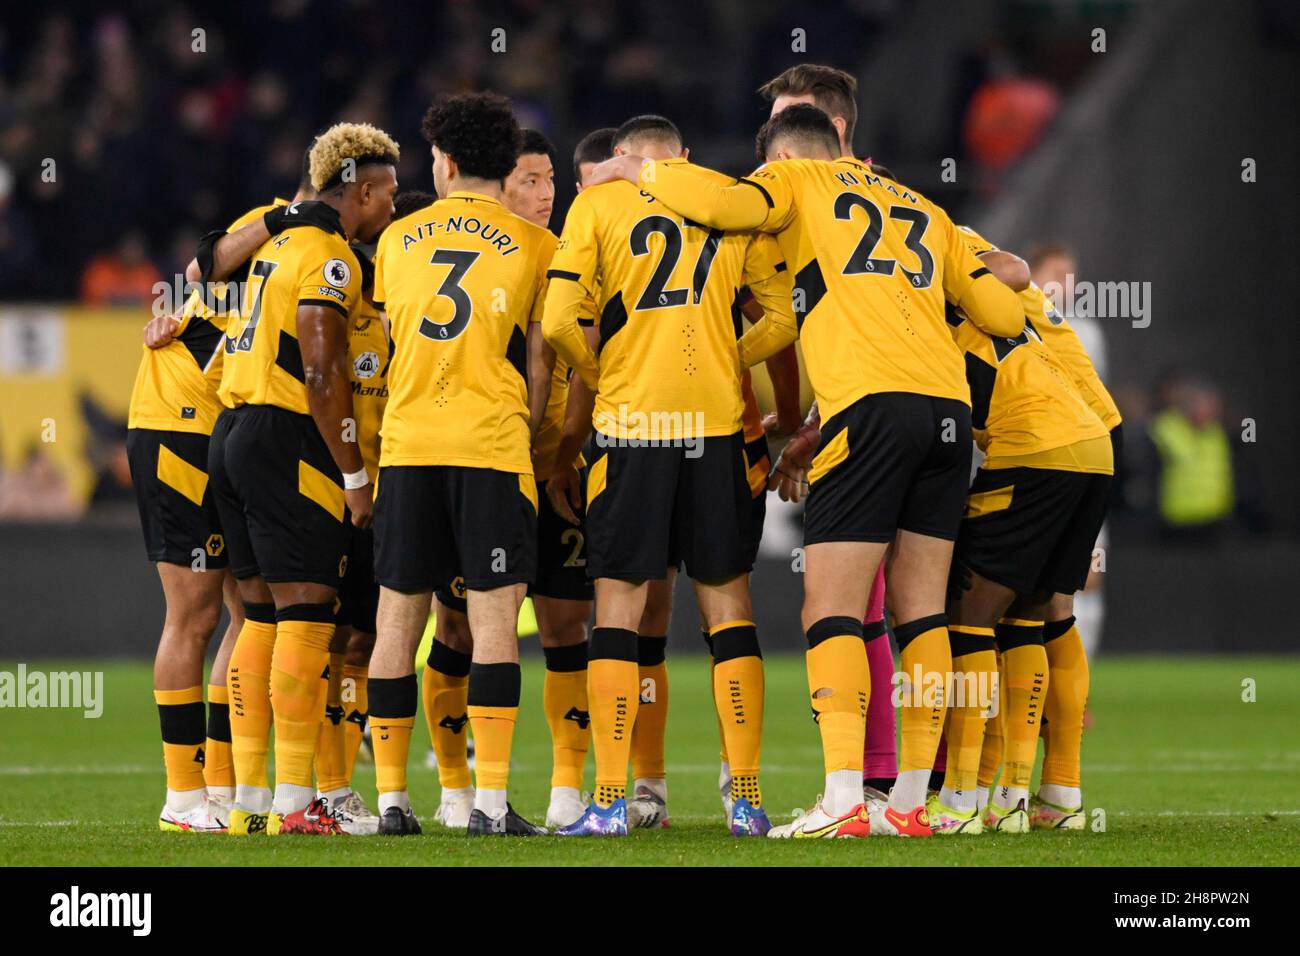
(969, 284)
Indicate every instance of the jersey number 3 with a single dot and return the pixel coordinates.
(463, 306)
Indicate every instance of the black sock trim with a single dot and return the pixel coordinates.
(315, 613)
(494, 685)
(733, 642)
(566, 660)
(829, 627)
(613, 644)
(650, 651)
(1017, 635)
(393, 697)
(1054, 629)
(961, 643)
(447, 661)
(905, 634)
(883, 784)
(219, 722)
(708, 641)
(261, 613)
(874, 630)
(182, 723)
(936, 779)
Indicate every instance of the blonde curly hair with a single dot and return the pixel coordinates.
(359, 142)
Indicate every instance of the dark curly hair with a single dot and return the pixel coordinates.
(478, 130)
(411, 200)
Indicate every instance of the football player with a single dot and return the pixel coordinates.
(834, 92)
(285, 465)
(462, 283)
(670, 483)
(561, 593)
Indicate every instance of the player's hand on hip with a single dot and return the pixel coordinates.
(564, 492)
(160, 330)
(361, 503)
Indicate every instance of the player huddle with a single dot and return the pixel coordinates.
(477, 412)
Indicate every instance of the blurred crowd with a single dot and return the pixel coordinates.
(127, 133)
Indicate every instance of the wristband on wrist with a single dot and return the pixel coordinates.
(357, 479)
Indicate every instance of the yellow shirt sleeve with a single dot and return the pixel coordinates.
(770, 281)
(332, 278)
(698, 195)
(544, 259)
(969, 285)
(571, 280)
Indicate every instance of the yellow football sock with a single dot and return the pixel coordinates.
(564, 699)
(1024, 662)
(926, 656)
(356, 703)
(493, 710)
(218, 770)
(302, 649)
(612, 695)
(445, 684)
(839, 685)
(392, 717)
(975, 666)
(738, 688)
(652, 709)
(180, 714)
(331, 759)
(1067, 697)
(991, 752)
(713, 666)
(248, 682)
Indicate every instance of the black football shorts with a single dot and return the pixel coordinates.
(280, 496)
(1031, 529)
(177, 512)
(890, 462)
(760, 465)
(358, 591)
(435, 523)
(561, 551)
(652, 506)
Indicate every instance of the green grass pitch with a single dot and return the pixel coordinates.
(1185, 771)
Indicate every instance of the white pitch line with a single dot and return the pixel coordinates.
(80, 770)
(37, 823)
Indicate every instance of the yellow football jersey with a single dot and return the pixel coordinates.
(176, 386)
(305, 266)
(368, 357)
(1023, 401)
(460, 281)
(1056, 333)
(664, 287)
(872, 264)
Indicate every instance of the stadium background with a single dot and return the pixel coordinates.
(1131, 157)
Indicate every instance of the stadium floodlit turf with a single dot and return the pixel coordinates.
(1186, 772)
